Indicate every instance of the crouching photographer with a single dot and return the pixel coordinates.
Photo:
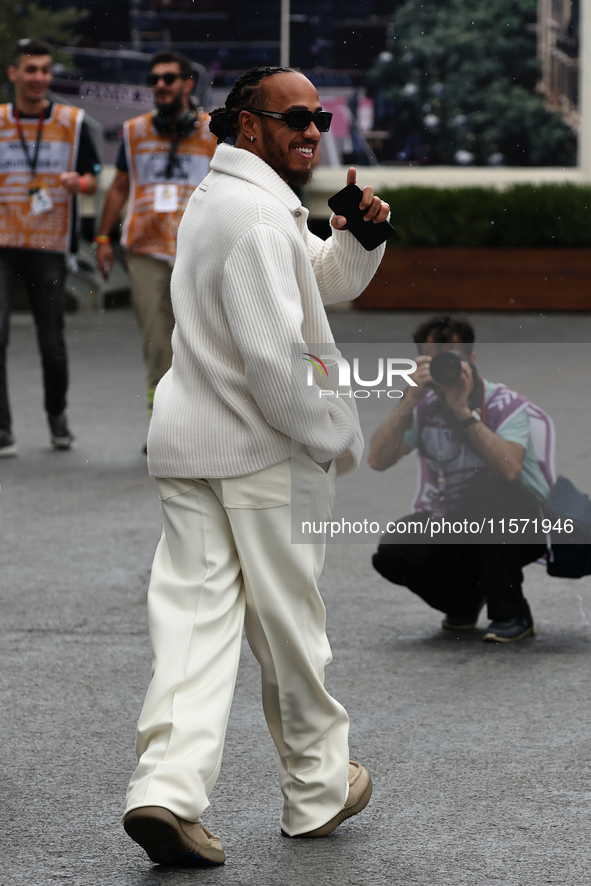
(477, 467)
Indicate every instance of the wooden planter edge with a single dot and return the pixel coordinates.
(489, 278)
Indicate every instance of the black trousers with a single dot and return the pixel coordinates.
(44, 275)
(455, 577)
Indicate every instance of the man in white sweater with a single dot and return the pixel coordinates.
(237, 435)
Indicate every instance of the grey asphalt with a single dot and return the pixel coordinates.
(479, 753)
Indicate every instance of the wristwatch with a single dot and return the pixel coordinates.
(472, 419)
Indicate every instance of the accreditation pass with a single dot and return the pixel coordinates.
(166, 198)
(39, 197)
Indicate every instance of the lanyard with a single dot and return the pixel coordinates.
(441, 464)
(32, 163)
(172, 158)
(477, 394)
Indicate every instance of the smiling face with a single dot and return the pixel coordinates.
(31, 78)
(289, 152)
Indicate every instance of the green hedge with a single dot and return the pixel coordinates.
(523, 215)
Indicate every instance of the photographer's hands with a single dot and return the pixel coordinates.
(422, 377)
(456, 396)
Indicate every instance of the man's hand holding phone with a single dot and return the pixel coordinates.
(361, 212)
(377, 210)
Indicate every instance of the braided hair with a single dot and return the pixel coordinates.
(247, 88)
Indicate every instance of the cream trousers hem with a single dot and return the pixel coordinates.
(225, 560)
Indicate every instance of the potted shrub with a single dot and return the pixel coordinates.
(524, 248)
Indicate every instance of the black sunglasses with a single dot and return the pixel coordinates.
(169, 78)
(299, 120)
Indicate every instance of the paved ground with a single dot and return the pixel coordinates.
(480, 753)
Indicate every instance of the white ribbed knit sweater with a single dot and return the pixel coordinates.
(248, 289)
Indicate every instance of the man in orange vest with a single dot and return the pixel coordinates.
(46, 157)
(164, 155)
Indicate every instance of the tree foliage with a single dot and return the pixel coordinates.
(23, 20)
(457, 84)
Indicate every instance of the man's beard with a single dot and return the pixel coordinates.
(171, 107)
(278, 161)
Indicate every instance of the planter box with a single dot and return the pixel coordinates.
(493, 279)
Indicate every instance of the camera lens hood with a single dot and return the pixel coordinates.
(446, 367)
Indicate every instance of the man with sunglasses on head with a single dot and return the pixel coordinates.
(162, 158)
(237, 438)
(47, 157)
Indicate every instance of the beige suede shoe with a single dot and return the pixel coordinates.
(360, 788)
(171, 840)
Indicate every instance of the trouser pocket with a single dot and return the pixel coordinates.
(269, 488)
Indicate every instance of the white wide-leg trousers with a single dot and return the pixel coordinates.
(225, 560)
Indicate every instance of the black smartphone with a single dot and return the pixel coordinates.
(370, 235)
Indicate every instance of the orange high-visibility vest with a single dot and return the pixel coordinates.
(58, 150)
(146, 231)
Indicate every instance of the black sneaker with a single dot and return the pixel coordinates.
(462, 622)
(7, 445)
(59, 433)
(508, 631)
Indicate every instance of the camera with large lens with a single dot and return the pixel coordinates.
(446, 367)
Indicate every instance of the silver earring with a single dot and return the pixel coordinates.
(252, 138)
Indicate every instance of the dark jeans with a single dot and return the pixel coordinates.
(44, 275)
(455, 577)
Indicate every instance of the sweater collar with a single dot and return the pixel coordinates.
(243, 164)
